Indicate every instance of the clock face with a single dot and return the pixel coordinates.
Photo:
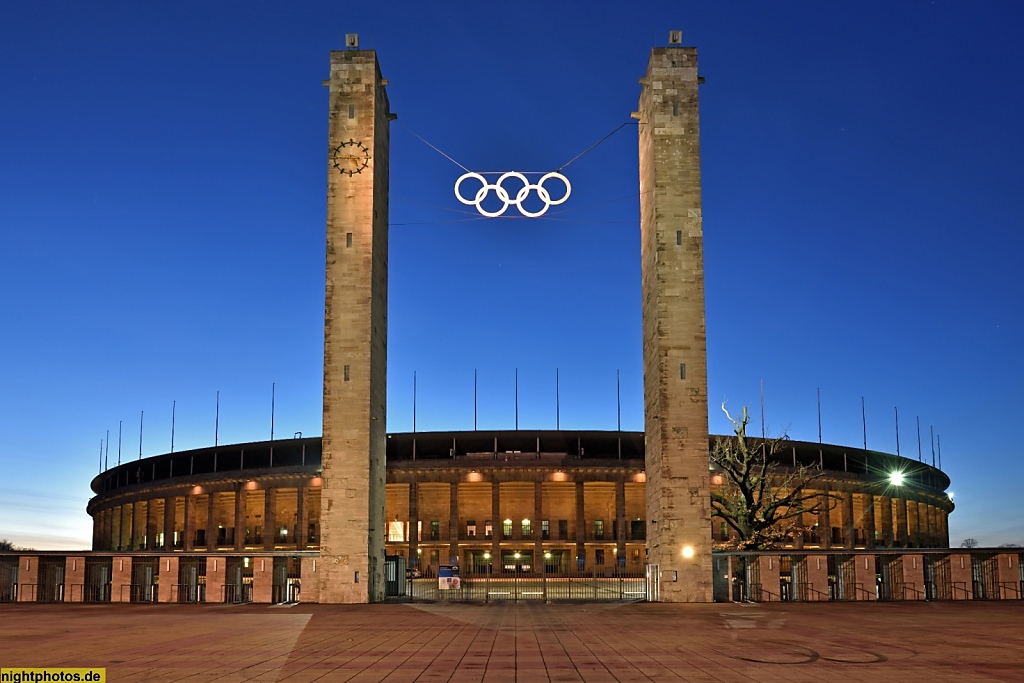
(350, 157)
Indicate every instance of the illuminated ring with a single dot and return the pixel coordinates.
(521, 195)
(559, 176)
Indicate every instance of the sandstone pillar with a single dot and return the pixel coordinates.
(581, 528)
(536, 526)
(355, 332)
(120, 579)
(269, 519)
(189, 531)
(168, 573)
(453, 523)
(414, 525)
(674, 340)
(496, 525)
(74, 579)
(239, 518)
(884, 504)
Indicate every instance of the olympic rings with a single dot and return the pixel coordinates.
(504, 197)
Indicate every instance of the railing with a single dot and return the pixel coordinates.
(140, 592)
(808, 592)
(9, 593)
(237, 594)
(909, 588)
(1011, 590)
(90, 592)
(588, 586)
(51, 593)
(188, 593)
(859, 589)
(960, 586)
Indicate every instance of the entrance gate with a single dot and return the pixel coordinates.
(520, 586)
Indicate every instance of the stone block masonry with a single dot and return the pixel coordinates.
(355, 333)
(674, 346)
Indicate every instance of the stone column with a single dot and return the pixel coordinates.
(414, 527)
(74, 579)
(104, 541)
(869, 520)
(28, 578)
(620, 524)
(120, 579)
(902, 534)
(125, 524)
(674, 334)
(352, 524)
(301, 519)
(581, 526)
(263, 580)
(169, 503)
(151, 524)
(269, 518)
(929, 526)
(913, 577)
(865, 576)
(139, 515)
(884, 503)
(962, 576)
(211, 525)
(216, 572)
(913, 524)
(239, 518)
(188, 543)
(849, 530)
(536, 527)
(496, 525)
(825, 520)
(817, 576)
(309, 575)
(453, 522)
(168, 573)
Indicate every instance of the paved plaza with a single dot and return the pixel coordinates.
(523, 642)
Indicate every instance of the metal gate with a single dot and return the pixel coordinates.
(498, 586)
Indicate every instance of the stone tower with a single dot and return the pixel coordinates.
(675, 353)
(355, 333)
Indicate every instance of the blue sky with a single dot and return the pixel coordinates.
(162, 175)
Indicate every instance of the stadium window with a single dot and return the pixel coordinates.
(506, 528)
(488, 529)
(471, 528)
(545, 529)
(435, 530)
(563, 529)
(598, 529)
(527, 528)
(599, 556)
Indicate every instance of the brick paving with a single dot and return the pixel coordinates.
(523, 642)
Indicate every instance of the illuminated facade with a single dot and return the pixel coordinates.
(511, 500)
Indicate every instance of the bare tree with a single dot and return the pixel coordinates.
(760, 501)
(6, 546)
(969, 543)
